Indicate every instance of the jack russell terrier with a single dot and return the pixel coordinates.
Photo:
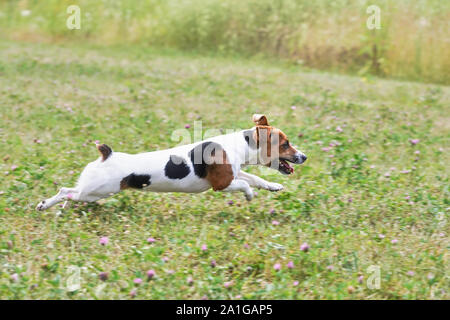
(213, 163)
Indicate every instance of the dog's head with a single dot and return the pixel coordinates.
(275, 150)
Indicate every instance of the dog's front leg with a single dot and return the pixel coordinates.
(240, 185)
(258, 182)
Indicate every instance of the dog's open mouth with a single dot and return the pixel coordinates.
(284, 167)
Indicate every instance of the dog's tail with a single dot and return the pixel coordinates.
(104, 150)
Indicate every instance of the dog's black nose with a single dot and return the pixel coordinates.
(299, 158)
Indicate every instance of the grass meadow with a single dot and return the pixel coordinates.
(373, 194)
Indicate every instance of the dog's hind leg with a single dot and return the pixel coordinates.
(63, 194)
(74, 194)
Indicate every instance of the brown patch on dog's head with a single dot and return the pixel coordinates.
(285, 148)
(275, 147)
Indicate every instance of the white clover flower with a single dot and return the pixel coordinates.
(25, 13)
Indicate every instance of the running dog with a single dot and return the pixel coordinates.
(213, 163)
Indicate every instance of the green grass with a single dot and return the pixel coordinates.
(56, 100)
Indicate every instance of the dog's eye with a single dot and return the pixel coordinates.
(285, 145)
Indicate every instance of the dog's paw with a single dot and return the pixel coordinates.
(249, 195)
(272, 186)
(41, 206)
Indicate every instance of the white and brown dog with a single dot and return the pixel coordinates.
(214, 163)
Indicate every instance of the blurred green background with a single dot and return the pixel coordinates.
(413, 42)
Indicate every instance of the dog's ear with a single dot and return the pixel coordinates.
(260, 120)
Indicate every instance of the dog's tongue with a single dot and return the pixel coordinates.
(287, 166)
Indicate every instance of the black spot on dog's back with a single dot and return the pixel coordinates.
(137, 181)
(200, 158)
(176, 168)
(248, 136)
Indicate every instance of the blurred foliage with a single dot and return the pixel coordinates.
(413, 41)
